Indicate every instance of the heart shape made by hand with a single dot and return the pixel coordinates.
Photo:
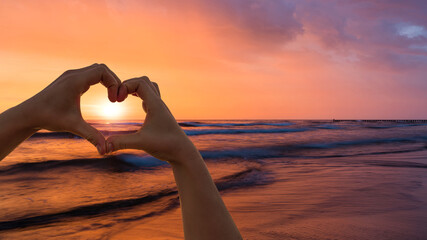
(57, 107)
(160, 134)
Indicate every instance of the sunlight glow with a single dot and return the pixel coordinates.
(111, 110)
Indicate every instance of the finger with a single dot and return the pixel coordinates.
(114, 75)
(101, 73)
(128, 141)
(150, 83)
(119, 82)
(114, 90)
(156, 86)
(122, 95)
(71, 71)
(158, 93)
(144, 106)
(91, 134)
(143, 87)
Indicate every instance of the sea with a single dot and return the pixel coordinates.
(280, 179)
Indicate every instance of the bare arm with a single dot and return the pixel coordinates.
(204, 213)
(14, 128)
(57, 108)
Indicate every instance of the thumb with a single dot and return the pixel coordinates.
(92, 135)
(127, 141)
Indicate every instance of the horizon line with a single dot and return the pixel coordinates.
(278, 119)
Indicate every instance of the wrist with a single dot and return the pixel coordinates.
(185, 152)
(25, 116)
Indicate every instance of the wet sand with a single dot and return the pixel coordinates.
(352, 199)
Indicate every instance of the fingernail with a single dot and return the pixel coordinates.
(110, 147)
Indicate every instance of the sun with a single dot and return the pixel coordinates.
(111, 110)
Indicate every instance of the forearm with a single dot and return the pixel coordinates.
(204, 213)
(15, 127)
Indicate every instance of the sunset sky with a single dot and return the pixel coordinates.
(227, 59)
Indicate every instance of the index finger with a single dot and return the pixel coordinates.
(101, 73)
(143, 87)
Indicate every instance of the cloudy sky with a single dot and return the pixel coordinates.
(228, 59)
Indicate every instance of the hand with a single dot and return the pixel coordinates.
(163, 138)
(160, 135)
(57, 107)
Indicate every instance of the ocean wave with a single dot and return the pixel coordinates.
(130, 162)
(228, 128)
(246, 178)
(242, 131)
(200, 124)
(62, 135)
(303, 149)
(84, 211)
(141, 161)
(242, 153)
(400, 164)
(327, 126)
(386, 126)
(116, 163)
(292, 152)
(363, 142)
(366, 153)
